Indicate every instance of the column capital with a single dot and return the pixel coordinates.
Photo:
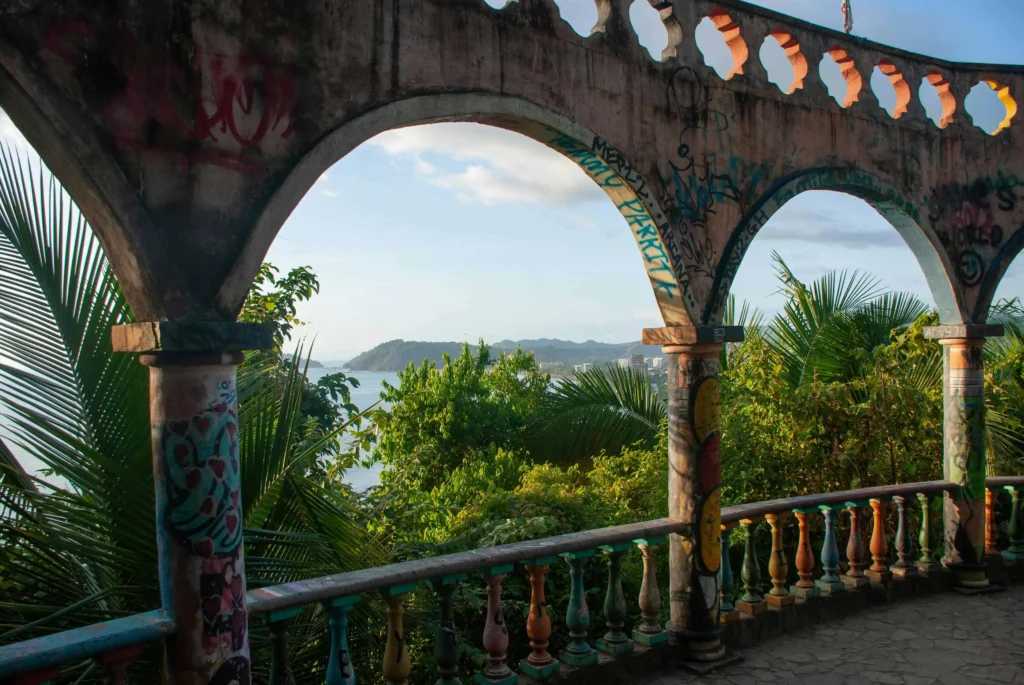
(191, 336)
(673, 336)
(968, 331)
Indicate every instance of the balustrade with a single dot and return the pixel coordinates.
(337, 595)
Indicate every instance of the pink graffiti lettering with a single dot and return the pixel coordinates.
(231, 105)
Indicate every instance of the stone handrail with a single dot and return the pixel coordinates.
(114, 644)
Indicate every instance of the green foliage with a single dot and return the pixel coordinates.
(598, 410)
(275, 300)
(441, 417)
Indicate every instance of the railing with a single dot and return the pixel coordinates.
(115, 643)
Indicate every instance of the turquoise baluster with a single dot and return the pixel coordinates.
(752, 602)
(727, 610)
(446, 644)
(615, 641)
(1016, 530)
(339, 666)
(829, 582)
(280, 667)
(577, 617)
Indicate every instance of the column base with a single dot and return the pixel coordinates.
(778, 601)
(649, 639)
(510, 679)
(855, 582)
(928, 568)
(702, 668)
(540, 671)
(615, 648)
(587, 658)
(903, 572)
(1012, 555)
(752, 608)
(729, 616)
(830, 587)
(970, 576)
(804, 593)
(880, 577)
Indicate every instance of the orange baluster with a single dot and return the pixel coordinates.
(879, 571)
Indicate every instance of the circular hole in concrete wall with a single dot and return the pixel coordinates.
(890, 88)
(773, 57)
(497, 4)
(719, 40)
(991, 106)
(938, 102)
(649, 27)
(840, 77)
(581, 15)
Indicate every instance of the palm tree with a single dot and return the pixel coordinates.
(77, 536)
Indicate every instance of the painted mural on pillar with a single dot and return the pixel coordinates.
(199, 504)
(965, 447)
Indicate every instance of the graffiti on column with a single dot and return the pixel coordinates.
(202, 514)
(965, 445)
(966, 218)
(699, 380)
(230, 105)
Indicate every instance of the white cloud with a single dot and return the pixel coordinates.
(491, 166)
(331, 193)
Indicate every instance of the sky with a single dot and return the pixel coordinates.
(490, 234)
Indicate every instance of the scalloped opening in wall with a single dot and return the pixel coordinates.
(840, 76)
(581, 15)
(649, 27)
(938, 101)
(991, 106)
(498, 4)
(890, 88)
(719, 41)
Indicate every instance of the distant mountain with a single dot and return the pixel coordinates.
(313, 364)
(395, 355)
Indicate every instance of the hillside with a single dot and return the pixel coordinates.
(395, 355)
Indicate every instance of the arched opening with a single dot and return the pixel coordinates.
(605, 166)
(886, 204)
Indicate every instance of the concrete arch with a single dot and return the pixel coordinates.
(898, 210)
(603, 163)
(1008, 253)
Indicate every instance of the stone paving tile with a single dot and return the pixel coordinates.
(945, 639)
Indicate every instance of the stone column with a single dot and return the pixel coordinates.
(964, 447)
(693, 482)
(197, 472)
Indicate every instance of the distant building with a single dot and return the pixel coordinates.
(582, 368)
(636, 362)
(623, 363)
(656, 362)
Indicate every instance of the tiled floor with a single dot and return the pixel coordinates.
(946, 638)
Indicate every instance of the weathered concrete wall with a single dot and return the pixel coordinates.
(188, 131)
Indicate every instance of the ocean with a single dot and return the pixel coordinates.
(366, 394)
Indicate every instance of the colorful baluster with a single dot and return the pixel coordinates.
(926, 564)
(903, 567)
(615, 641)
(778, 568)
(879, 571)
(854, 576)
(751, 602)
(280, 667)
(1016, 530)
(446, 642)
(496, 672)
(650, 631)
(577, 616)
(396, 655)
(805, 587)
(829, 583)
(339, 665)
(727, 610)
(991, 529)
(540, 664)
